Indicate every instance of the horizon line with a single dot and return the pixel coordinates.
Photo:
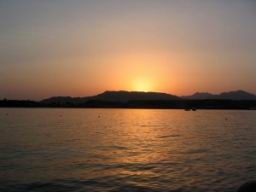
(130, 91)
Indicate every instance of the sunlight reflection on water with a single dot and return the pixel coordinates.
(126, 150)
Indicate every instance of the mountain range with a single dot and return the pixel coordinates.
(114, 96)
(232, 95)
(125, 96)
(133, 99)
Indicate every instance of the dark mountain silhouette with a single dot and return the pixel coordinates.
(65, 99)
(58, 100)
(118, 96)
(200, 96)
(124, 96)
(232, 95)
(237, 95)
(126, 99)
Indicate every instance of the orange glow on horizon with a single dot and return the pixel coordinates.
(142, 85)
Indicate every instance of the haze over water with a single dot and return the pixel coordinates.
(126, 150)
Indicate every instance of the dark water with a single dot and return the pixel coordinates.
(53, 150)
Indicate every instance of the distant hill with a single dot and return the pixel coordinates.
(237, 95)
(116, 96)
(232, 95)
(60, 100)
(200, 96)
(124, 96)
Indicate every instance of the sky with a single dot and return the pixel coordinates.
(84, 47)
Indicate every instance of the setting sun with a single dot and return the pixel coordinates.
(142, 85)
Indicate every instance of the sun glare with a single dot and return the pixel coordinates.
(142, 85)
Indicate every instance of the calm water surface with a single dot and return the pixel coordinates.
(53, 150)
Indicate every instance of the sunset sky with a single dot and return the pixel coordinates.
(84, 47)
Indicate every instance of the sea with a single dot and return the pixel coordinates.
(126, 150)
